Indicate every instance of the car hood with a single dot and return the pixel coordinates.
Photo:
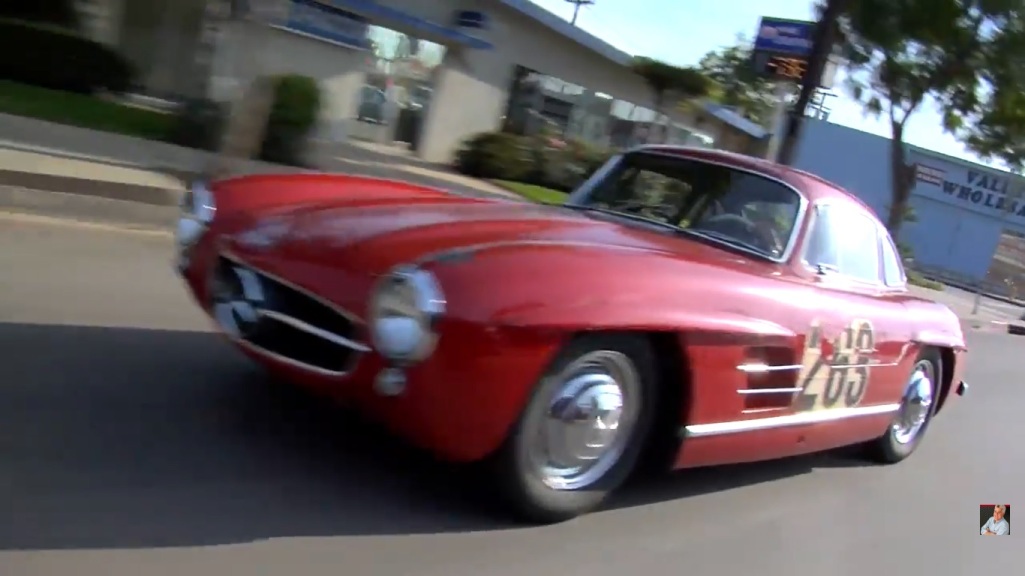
(373, 238)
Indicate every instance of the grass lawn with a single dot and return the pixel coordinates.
(531, 192)
(83, 111)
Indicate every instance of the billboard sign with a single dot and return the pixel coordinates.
(784, 36)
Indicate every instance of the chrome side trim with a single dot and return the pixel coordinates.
(800, 419)
(761, 368)
(285, 360)
(341, 311)
(746, 391)
(318, 332)
(464, 252)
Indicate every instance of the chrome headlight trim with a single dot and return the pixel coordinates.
(198, 203)
(198, 209)
(404, 310)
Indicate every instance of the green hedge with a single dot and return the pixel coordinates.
(293, 117)
(537, 160)
(51, 57)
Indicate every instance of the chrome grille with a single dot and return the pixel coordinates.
(282, 320)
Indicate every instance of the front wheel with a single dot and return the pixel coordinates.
(582, 431)
(917, 407)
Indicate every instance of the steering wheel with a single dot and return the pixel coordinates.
(737, 227)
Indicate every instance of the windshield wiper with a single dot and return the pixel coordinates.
(727, 239)
(627, 215)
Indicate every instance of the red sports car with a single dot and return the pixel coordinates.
(723, 307)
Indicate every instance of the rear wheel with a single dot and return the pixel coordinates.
(917, 407)
(582, 430)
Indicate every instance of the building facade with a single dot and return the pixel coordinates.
(968, 220)
(451, 67)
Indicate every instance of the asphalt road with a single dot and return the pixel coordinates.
(134, 442)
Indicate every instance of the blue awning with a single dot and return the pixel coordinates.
(392, 18)
(731, 118)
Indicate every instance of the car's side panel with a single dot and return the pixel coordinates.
(841, 385)
(867, 330)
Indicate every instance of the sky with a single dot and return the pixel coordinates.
(682, 31)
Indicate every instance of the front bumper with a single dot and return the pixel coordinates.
(459, 404)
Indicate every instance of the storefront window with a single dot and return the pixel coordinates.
(539, 102)
(399, 86)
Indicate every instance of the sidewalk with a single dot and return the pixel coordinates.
(47, 156)
(988, 317)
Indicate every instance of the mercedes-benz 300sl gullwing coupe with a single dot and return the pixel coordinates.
(696, 305)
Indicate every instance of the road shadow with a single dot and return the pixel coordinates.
(131, 438)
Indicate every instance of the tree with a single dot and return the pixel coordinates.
(577, 5)
(668, 81)
(822, 47)
(899, 53)
(992, 124)
(735, 82)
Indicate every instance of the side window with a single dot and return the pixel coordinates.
(893, 270)
(845, 241)
(823, 245)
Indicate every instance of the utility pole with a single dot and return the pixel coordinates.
(577, 4)
(822, 47)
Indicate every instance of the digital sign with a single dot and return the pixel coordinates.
(786, 68)
(781, 67)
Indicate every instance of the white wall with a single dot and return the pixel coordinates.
(251, 49)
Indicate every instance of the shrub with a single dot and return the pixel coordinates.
(540, 160)
(51, 57)
(293, 117)
(198, 123)
(494, 155)
(915, 278)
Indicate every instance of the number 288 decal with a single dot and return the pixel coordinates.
(841, 379)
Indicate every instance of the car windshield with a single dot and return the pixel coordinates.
(716, 202)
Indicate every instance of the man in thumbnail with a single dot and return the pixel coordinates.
(996, 526)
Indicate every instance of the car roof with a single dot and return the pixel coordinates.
(813, 187)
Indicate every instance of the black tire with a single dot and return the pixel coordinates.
(521, 487)
(887, 449)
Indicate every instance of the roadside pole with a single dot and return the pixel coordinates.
(780, 54)
(781, 93)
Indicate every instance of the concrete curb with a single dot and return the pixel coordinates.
(993, 326)
(83, 207)
(138, 193)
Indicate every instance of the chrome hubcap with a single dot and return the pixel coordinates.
(588, 422)
(916, 404)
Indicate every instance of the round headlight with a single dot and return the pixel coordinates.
(197, 212)
(403, 312)
(198, 203)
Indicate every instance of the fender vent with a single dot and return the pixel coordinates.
(770, 381)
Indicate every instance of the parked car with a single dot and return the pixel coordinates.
(371, 105)
(689, 303)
